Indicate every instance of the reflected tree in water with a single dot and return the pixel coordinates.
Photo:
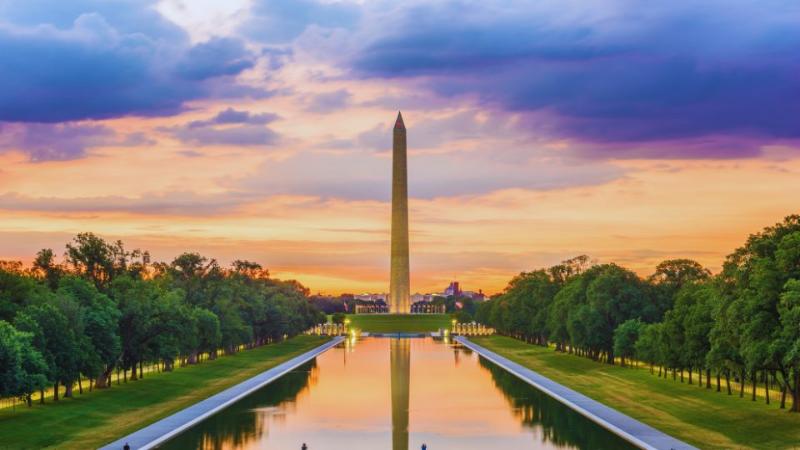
(248, 420)
(559, 424)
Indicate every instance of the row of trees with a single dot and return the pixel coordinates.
(107, 310)
(743, 323)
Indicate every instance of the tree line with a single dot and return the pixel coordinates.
(742, 323)
(107, 310)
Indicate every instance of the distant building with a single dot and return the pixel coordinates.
(371, 303)
(477, 296)
(371, 308)
(454, 289)
(427, 298)
(370, 297)
(427, 308)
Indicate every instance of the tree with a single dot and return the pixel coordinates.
(250, 270)
(100, 317)
(338, 317)
(725, 335)
(649, 346)
(193, 273)
(530, 294)
(22, 368)
(92, 257)
(571, 295)
(678, 272)
(755, 276)
(45, 267)
(56, 339)
(462, 317)
(561, 273)
(625, 337)
(484, 311)
(697, 324)
(614, 295)
(145, 314)
(788, 343)
(17, 290)
(208, 330)
(670, 276)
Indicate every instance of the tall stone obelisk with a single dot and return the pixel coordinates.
(399, 289)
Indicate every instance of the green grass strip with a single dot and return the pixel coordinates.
(96, 418)
(702, 417)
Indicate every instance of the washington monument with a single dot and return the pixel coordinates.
(399, 289)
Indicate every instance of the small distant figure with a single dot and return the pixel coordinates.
(126, 447)
(304, 447)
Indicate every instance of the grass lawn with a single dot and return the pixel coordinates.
(99, 417)
(402, 323)
(702, 417)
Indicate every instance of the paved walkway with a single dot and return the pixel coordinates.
(630, 429)
(155, 434)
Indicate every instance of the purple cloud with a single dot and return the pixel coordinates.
(232, 116)
(47, 142)
(228, 127)
(244, 135)
(623, 75)
(91, 67)
(280, 21)
(214, 58)
(329, 101)
(181, 203)
(365, 175)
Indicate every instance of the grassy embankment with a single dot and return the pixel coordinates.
(98, 417)
(699, 416)
(399, 323)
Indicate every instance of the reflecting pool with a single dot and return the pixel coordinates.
(387, 393)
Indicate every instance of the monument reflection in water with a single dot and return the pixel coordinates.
(400, 351)
(354, 397)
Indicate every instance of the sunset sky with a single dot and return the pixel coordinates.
(629, 131)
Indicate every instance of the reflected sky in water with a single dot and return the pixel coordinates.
(381, 393)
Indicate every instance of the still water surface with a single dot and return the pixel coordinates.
(384, 393)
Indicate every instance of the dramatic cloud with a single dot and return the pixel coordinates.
(620, 72)
(153, 203)
(229, 127)
(359, 176)
(126, 16)
(94, 68)
(329, 101)
(461, 131)
(217, 57)
(280, 21)
(232, 116)
(44, 141)
(262, 129)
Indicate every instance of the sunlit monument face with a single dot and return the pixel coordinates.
(399, 283)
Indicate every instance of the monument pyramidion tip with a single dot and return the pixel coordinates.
(399, 125)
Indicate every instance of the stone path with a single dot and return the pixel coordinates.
(630, 429)
(159, 432)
